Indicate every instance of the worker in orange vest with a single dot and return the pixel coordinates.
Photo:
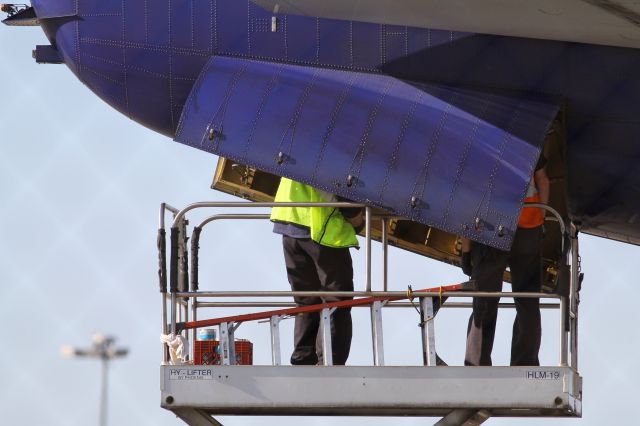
(486, 265)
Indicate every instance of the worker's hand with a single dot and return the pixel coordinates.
(466, 266)
(357, 221)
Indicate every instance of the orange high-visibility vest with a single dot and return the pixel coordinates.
(531, 217)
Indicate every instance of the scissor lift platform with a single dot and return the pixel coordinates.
(462, 396)
(204, 391)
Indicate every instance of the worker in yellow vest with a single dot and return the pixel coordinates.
(316, 242)
(486, 266)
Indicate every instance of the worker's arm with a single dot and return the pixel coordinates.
(357, 221)
(353, 215)
(466, 245)
(542, 184)
(465, 258)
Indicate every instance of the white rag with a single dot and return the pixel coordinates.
(178, 348)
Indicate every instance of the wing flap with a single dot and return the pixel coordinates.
(455, 159)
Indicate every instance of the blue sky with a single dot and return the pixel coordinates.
(80, 188)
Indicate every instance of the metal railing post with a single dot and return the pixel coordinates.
(233, 360)
(573, 296)
(368, 247)
(428, 331)
(376, 333)
(274, 322)
(563, 332)
(194, 332)
(165, 351)
(162, 277)
(385, 253)
(174, 304)
(565, 337)
(224, 346)
(325, 328)
(183, 269)
(173, 275)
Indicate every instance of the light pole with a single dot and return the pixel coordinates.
(103, 348)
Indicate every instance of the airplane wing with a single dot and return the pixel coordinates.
(456, 159)
(607, 22)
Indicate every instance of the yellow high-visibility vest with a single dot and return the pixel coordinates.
(326, 224)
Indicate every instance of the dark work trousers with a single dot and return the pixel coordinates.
(525, 263)
(314, 267)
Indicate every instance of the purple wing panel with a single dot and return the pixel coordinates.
(456, 159)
